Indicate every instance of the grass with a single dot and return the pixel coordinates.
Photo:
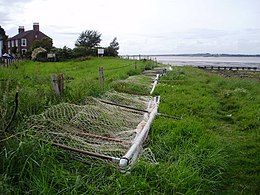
(81, 80)
(220, 118)
(214, 149)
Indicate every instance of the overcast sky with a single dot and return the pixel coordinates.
(143, 26)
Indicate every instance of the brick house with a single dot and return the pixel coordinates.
(24, 39)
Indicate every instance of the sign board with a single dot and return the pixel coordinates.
(100, 51)
(51, 55)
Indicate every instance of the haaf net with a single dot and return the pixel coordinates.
(93, 126)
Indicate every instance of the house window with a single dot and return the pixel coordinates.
(16, 42)
(12, 43)
(24, 42)
(9, 44)
(24, 51)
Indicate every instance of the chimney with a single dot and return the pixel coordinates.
(20, 29)
(36, 26)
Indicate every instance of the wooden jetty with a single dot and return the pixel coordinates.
(245, 68)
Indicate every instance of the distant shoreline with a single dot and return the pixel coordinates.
(199, 55)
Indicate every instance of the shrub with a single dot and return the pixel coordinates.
(39, 54)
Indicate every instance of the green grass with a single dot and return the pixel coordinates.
(214, 149)
(81, 80)
(220, 120)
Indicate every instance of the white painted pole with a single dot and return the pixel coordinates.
(139, 140)
(155, 83)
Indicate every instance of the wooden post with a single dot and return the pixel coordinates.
(101, 77)
(58, 84)
(55, 84)
(135, 65)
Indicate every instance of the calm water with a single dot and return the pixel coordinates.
(210, 61)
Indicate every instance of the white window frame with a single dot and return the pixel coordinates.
(23, 42)
(24, 51)
(9, 44)
(16, 43)
(12, 43)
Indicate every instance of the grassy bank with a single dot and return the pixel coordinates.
(213, 149)
(33, 80)
(220, 127)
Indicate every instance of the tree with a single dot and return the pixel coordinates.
(113, 48)
(89, 39)
(63, 53)
(3, 37)
(13, 50)
(45, 43)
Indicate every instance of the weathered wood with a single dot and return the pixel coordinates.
(123, 106)
(58, 84)
(87, 153)
(229, 68)
(139, 110)
(55, 84)
(101, 77)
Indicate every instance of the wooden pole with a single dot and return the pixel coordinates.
(55, 85)
(101, 76)
(114, 159)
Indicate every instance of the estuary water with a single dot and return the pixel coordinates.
(210, 61)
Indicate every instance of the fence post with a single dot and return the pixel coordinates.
(102, 79)
(58, 84)
(55, 85)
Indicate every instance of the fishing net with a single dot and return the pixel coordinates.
(115, 125)
(93, 126)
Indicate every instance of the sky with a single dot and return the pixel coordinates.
(143, 26)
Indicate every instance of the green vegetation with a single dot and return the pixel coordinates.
(214, 149)
(81, 80)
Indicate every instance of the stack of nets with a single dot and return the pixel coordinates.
(93, 126)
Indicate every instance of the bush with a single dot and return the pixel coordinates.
(39, 54)
(82, 52)
(63, 54)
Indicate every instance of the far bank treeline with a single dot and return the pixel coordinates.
(87, 44)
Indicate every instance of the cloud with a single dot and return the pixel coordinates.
(145, 27)
(9, 7)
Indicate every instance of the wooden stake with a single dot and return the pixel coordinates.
(55, 84)
(101, 76)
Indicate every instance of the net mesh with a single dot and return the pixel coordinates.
(93, 126)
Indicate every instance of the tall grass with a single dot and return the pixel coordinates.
(35, 89)
(223, 115)
(212, 150)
